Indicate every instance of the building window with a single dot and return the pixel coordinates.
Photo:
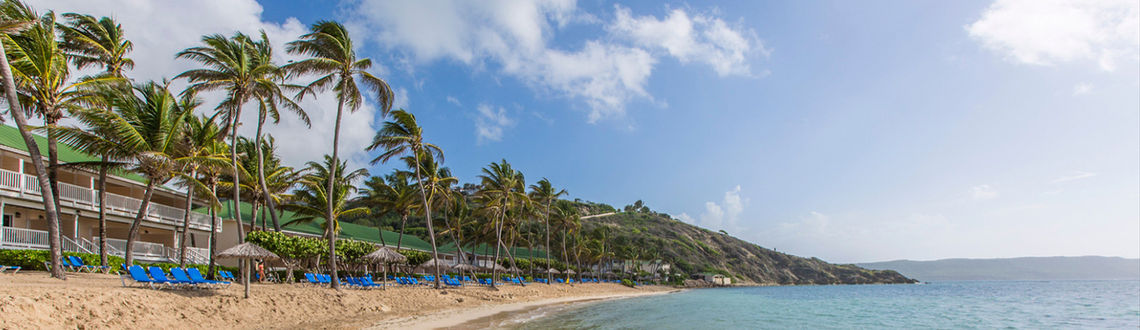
(7, 222)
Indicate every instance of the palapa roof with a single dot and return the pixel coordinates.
(247, 250)
(384, 254)
(553, 271)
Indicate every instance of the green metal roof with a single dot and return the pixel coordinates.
(364, 233)
(347, 230)
(10, 137)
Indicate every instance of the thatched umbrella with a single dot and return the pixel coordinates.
(553, 271)
(247, 251)
(387, 257)
(462, 267)
(433, 263)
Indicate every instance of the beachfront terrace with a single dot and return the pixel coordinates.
(22, 238)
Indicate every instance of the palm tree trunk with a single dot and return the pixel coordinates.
(499, 242)
(427, 216)
(50, 209)
(549, 276)
(253, 208)
(132, 236)
(186, 219)
(213, 232)
(565, 259)
(330, 221)
(235, 207)
(403, 223)
(103, 211)
(269, 203)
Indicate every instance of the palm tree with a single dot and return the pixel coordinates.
(394, 194)
(146, 125)
(242, 67)
(201, 136)
(333, 58)
(566, 216)
(91, 42)
(310, 200)
(401, 136)
(543, 193)
(503, 188)
(16, 17)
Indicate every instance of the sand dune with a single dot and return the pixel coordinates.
(98, 301)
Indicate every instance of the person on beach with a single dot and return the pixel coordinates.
(260, 271)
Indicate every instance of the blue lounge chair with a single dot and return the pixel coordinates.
(14, 269)
(76, 261)
(180, 275)
(138, 275)
(196, 275)
(159, 275)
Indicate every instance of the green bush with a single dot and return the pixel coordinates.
(35, 259)
(627, 282)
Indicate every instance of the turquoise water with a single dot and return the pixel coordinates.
(1005, 304)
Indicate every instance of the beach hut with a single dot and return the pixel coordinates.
(386, 256)
(247, 251)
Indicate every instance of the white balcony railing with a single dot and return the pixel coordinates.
(141, 249)
(87, 198)
(23, 238)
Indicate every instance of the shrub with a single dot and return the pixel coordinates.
(35, 259)
(627, 282)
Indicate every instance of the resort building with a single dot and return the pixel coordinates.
(24, 225)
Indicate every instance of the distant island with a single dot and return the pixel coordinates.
(1027, 268)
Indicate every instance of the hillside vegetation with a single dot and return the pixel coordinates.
(1024, 269)
(694, 250)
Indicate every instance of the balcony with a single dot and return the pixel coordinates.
(88, 199)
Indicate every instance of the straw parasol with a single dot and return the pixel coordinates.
(247, 251)
(433, 263)
(462, 267)
(553, 271)
(494, 267)
(386, 256)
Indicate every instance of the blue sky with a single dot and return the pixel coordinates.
(852, 131)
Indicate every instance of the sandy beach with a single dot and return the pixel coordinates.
(98, 301)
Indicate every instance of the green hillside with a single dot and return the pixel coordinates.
(694, 250)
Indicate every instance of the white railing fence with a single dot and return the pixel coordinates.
(23, 238)
(83, 197)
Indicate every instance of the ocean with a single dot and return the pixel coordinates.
(999, 304)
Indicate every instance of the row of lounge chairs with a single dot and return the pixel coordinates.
(4, 268)
(76, 264)
(178, 278)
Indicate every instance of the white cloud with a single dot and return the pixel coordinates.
(1082, 88)
(1045, 32)
(161, 29)
(490, 122)
(513, 38)
(1075, 176)
(724, 215)
(401, 101)
(453, 100)
(699, 38)
(984, 191)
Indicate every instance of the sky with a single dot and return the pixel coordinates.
(850, 131)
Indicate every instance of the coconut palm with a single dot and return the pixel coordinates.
(394, 194)
(16, 17)
(503, 189)
(243, 68)
(544, 193)
(145, 125)
(332, 58)
(310, 201)
(90, 42)
(402, 135)
(201, 134)
(567, 218)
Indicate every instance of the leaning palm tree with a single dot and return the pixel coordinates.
(201, 135)
(333, 59)
(567, 218)
(243, 68)
(145, 125)
(544, 193)
(90, 42)
(16, 17)
(310, 201)
(503, 189)
(402, 135)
